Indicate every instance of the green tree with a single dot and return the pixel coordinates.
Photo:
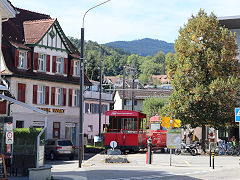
(152, 106)
(204, 73)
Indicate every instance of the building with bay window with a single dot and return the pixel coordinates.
(42, 67)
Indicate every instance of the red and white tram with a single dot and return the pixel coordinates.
(126, 128)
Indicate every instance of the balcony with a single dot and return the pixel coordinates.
(95, 95)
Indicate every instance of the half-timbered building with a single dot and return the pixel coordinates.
(43, 68)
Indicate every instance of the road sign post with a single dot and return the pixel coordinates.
(237, 118)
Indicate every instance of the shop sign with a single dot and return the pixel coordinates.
(70, 124)
(38, 123)
(54, 110)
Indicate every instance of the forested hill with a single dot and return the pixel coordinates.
(143, 47)
(114, 59)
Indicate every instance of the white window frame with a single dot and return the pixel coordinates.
(59, 96)
(22, 60)
(76, 68)
(42, 61)
(41, 92)
(59, 65)
(75, 97)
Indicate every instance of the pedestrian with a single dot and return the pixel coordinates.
(234, 141)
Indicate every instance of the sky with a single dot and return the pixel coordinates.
(126, 20)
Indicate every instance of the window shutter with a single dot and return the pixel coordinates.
(48, 63)
(46, 94)
(23, 92)
(19, 87)
(71, 69)
(54, 64)
(28, 60)
(65, 65)
(35, 61)
(35, 94)
(16, 58)
(53, 96)
(70, 98)
(64, 96)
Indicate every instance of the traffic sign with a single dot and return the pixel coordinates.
(113, 144)
(167, 124)
(9, 137)
(237, 114)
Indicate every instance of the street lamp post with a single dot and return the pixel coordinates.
(81, 101)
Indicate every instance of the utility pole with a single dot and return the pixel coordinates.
(100, 100)
(123, 92)
(81, 99)
(133, 86)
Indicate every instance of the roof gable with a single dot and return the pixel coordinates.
(47, 33)
(34, 30)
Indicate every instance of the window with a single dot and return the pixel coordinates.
(90, 128)
(128, 102)
(76, 98)
(59, 96)
(19, 124)
(76, 68)
(95, 109)
(41, 94)
(42, 58)
(104, 108)
(86, 108)
(59, 65)
(22, 60)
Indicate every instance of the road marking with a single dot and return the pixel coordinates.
(187, 163)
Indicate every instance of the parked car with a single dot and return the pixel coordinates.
(59, 148)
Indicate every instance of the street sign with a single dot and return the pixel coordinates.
(237, 114)
(113, 144)
(9, 137)
(98, 139)
(167, 124)
(9, 126)
(174, 138)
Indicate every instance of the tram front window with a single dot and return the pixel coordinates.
(155, 126)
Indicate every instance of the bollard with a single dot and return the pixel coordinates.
(213, 158)
(149, 150)
(210, 154)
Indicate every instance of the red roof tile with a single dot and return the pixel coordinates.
(34, 30)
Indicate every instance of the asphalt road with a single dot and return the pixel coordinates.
(183, 167)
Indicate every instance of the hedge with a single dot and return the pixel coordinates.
(25, 140)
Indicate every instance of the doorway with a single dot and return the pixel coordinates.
(56, 130)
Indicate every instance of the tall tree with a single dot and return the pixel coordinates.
(204, 73)
(152, 106)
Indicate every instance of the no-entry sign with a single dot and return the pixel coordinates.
(9, 137)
